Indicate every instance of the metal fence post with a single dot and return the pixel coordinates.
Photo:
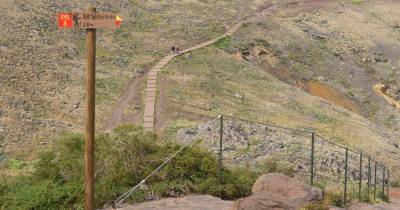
(312, 157)
(375, 181)
(383, 183)
(369, 175)
(345, 177)
(220, 149)
(388, 185)
(360, 182)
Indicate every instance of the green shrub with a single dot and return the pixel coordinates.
(357, 2)
(235, 184)
(274, 165)
(320, 205)
(395, 183)
(335, 198)
(223, 43)
(122, 160)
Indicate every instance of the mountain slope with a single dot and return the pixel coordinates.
(42, 67)
(269, 67)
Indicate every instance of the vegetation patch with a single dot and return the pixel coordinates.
(123, 159)
(107, 89)
(357, 2)
(223, 43)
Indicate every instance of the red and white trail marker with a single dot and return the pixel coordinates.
(88, 20)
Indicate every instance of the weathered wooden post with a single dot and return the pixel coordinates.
(90, 20)
(90, 114)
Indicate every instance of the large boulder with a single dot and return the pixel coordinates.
(277, 191)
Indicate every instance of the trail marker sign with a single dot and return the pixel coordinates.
(65, 20)
(88, 20)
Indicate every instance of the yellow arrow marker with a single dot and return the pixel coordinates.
(118, 20)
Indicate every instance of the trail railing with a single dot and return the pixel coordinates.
(357, 174)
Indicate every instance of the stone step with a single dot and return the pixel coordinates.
(151, 81)
(149, 112)
(148, 126)
(148, 119)
(149, 77)
(150, 89)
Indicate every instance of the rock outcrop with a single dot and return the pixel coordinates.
(278, 191)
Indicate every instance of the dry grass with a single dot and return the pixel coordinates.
(42, 70)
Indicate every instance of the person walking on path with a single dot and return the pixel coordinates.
(177, 50)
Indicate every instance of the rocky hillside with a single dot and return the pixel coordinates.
(309, 64)
(304, 64)
(42, 67)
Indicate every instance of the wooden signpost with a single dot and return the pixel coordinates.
(90, 21)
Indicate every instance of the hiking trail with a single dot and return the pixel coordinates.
(151, 86)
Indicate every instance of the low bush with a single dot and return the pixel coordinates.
(275, 165)
(122, 160)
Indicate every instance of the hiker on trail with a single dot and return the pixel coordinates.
(175, 50)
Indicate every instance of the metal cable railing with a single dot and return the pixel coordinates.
(128, 193)
(350, 166)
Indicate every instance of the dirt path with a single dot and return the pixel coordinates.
(149, 117)
(380, 89)
(151, 86)
(132, 93)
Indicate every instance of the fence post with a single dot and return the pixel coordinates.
(375, 181)
(360, 182)
(220, 149)
(388, 185)
(383, 183)
(369, 175)
(312, 157)
(345, 177)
